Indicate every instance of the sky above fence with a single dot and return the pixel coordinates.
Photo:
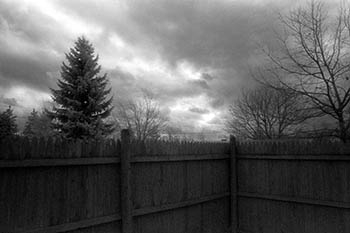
(192, 55)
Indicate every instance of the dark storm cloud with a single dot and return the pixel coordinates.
(27, 71)
(28, 46)
(216, 40)
(206, 33)
(214, 33)
(199, 110)
(201, 83)
(218, 35)
(217, 102)
(8, 101)
(207, 77)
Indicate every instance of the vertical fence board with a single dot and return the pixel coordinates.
(126, 183)
(233, 187)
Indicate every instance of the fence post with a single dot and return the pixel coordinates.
(233, 185)
(126, 203)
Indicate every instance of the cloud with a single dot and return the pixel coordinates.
(207, 77)
(27, 57)
(215, 39)
(199, 110)
(191, 55)
(8, 101)
(201, 83)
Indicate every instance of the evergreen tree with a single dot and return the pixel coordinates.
(38, 125)
(8, 126)
(43, 126)
(82, 98)
(30, 124)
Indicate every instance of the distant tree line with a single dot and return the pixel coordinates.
(8, 126)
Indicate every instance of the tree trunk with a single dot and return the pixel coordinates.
(342, 130)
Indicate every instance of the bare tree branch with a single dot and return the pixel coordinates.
(314, 60)
(267, 113)
(142, 116)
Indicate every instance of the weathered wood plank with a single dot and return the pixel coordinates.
(155, 147)
(57, 162)
(297, 157)
(72, 225)
(175, 158)
(300, 147)
(156, 209)
(126, 202)
(233, 187)
(299, 200)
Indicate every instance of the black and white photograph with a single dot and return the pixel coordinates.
(174, 116)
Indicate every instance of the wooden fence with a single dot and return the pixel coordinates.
(293, 187)
(51, 186)
(103, 187)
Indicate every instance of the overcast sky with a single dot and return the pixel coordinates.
(192, 55)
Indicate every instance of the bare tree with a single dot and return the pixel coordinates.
(201, 136)
(267, 113)
(142, 117)
(315, 62)
(172, 132)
